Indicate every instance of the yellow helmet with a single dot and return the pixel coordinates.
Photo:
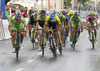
(71, 12)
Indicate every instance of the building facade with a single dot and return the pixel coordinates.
(48, 4)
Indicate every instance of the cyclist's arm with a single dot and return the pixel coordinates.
(29, 22)
(86, 23)
(37, 23)
(9, 28)
(81, 22)
(59, 22)
(24, 22)
(96, 22)
(46, 22)
(65, 23)
(69, 24)
(10, 24)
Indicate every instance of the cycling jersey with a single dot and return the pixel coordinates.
(75, 22)
(91, 20)
(67, 16)
(32, 19)
(52, 24)
(15, 25)
(41, 21)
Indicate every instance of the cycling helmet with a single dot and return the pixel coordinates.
(71, 12)
(52, 17)
(63, 12)
(39, 12)
(54, 11)
(60, 15)
(36, 10)
(43, 12)
(34, 15)
(92, 13)
(75, 14)
(18, 15)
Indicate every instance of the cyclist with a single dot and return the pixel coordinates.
(53, 21)
(92, 20)
(76, 21)
(39, 25)
(64, 25)
(17, 22)
(32, 22)
(67, 20)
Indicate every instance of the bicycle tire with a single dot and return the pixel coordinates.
(42, 51)
(92, 41)
(17, 53)
(33, 41)
(75, 40)
(60, 50)
(65, 39)
(54, 49)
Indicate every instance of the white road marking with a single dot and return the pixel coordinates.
(20, 69)
(30, 61)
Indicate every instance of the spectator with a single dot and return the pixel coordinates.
(1, 14)
(10, 9)
(31, 11)
(7, 13)
(25, 12)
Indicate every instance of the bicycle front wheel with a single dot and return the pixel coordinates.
(92, 41)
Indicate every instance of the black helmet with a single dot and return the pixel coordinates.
(43, 12)
(18, 15)
(63, 12)
(76, 14)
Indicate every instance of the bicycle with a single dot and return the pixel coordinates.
(17, 42)
(43, 42)
(92, 37)
(33, 37)
(74, 38)
(52, 43)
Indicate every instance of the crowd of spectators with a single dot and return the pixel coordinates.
(11, 9)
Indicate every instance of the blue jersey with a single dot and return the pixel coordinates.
(68, 17)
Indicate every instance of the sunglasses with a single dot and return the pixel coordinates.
(17, 19)
(42, 15)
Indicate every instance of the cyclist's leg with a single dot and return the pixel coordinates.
(30, 28)
(40, 36)
(57, 38)
(21, 27)
(72, 30)
(95, 31)
(13, 37)
(89, 28)
(67, 30)
(13, 34)
(62, 35)
(79, 27)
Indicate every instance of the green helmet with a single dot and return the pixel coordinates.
(92, 13)
(39, 11)
(60, 15)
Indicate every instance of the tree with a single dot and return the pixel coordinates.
(67, 3)
(6, 1)
(82, 1)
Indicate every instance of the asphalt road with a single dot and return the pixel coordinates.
(82, 59)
